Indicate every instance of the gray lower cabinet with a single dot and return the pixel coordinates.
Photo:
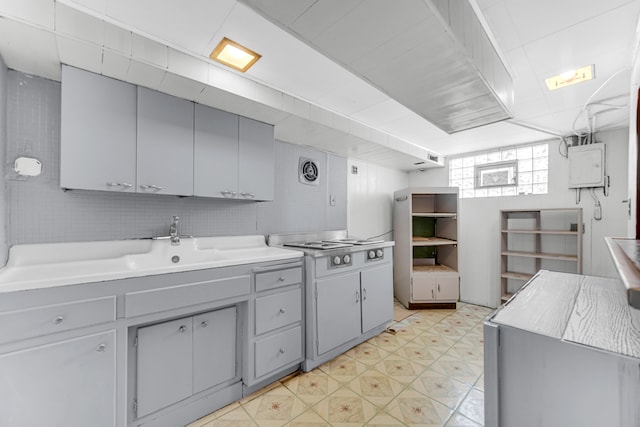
(64, 383)
(181, 357)
(164, 144)
(338, 306)
(352, 304)
(98, 132)
(276, 344)
(376, 294)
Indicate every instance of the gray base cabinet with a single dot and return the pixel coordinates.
(70, 383)
(563, 351)
(182, 357)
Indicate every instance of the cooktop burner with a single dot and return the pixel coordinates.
(355, 241)
(318, 245)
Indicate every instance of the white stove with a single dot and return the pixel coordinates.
(348, 290)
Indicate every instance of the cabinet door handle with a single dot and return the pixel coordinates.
(204, 324)
(357, 296)
(433, 296)
(226, 193)
(119, 184)
(182, 329)
(282, 311)
(151, 187)
(100, 348)
(364, 294)
(438, 287)
(281, 350)
(281, 279)
(248, 195)
(58, 320)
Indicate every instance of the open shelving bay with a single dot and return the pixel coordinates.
(426, 256)
(532, 239)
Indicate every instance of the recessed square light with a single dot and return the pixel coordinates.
(571, 77)
(234, 55)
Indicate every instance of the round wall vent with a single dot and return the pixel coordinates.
(308, 171)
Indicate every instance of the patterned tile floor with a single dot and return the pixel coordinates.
(428, 373)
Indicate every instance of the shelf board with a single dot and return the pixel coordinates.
(436, 268)
(562, 257)
(435, 214)
(432, 241)
(505, 296)
(525, 231)
(514, 275)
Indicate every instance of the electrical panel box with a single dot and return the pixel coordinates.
(586, 166)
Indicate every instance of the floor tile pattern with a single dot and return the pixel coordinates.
(426, 370)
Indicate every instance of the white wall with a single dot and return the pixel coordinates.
(370, 199)
(479, 241)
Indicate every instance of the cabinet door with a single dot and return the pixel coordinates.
(256, 160)
(338, 310)
(165, 144)
(423, 287)
(69, 383)
(215, 159)
(214, 348)
(98, 132)
(377, 296)
(164, 365)
(448, 288)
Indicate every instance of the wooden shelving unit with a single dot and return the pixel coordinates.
(549, 238)
(426, 254)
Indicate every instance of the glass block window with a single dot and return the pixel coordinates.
(508, 171)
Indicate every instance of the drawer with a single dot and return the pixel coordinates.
(278, 310)
(34, 322)
(156, 300)
(278, 278)
(278, 351)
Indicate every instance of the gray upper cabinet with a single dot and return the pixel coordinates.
(165, 144)
(215, 161)
(257, 159)
(98, 132)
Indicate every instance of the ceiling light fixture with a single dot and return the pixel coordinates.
(234, 55)
(571, 77)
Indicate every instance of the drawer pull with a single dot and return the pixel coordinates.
(58, 320)
(282, 311)
(101, 348)
(281, 279)
(281, 350)
(182, 329)
(204, 324)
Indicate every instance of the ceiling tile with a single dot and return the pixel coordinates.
(186, 65)
(99, 6)
(36, 12)
(146, 75)
(180, 86)
(117, 39)
(115, 65)
(146, 50)
(288, 12)
(318, 18)
(17, 38)
(79, 54)
(78, 25)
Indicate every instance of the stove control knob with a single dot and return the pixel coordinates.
(371, 254)
(379, 253)
(337, 260)
(346, 259)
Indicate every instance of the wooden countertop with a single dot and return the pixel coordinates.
(586, 310)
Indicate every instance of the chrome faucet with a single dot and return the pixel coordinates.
(173, 231)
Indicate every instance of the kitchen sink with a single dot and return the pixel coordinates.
(56, 264)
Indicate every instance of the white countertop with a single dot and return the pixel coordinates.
(37, 266)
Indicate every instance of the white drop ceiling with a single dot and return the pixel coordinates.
(312, 100)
